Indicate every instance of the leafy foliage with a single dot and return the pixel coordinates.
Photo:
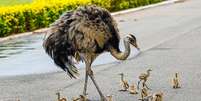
(41, 13)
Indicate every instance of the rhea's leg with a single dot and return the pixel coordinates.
(88, 66)
(85, 84)
(96, 85)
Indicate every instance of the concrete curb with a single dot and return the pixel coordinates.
(113, 14)
(15, 36)
(22, 34)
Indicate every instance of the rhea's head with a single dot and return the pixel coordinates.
(133, 41)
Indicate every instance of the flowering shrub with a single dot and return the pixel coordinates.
(40, 13)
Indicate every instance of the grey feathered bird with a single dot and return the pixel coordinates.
(82, 35)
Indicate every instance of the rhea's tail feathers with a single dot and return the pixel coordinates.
(61, 52)
(67, 65)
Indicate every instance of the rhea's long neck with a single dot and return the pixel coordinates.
(121, 55)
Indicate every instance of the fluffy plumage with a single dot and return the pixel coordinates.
(88, 29)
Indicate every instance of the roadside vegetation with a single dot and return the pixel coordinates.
(28, 15)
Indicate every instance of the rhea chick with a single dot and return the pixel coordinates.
(144, 94)
(124, 83)
(176, 83)
(109, 98)
(157, 96)
(133, 89)
(80, 98)
(59, 97)
(143, 77)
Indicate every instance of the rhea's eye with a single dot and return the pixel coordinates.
(127, 38)
(131, 40)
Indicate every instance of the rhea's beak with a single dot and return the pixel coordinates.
(135, 45)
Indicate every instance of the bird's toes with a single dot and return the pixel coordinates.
(103, 99)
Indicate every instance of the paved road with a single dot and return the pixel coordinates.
(169, 37)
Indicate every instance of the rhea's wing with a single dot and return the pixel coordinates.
(62, 52)
(59, 47)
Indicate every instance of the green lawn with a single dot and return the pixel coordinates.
(13, 2)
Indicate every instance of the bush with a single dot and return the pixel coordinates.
(41, 13)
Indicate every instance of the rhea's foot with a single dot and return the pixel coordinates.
(103, 99)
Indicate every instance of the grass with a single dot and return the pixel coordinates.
(13, 2)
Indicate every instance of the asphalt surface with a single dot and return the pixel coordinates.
(169, 37)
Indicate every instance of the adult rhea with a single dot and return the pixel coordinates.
(82, 35)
